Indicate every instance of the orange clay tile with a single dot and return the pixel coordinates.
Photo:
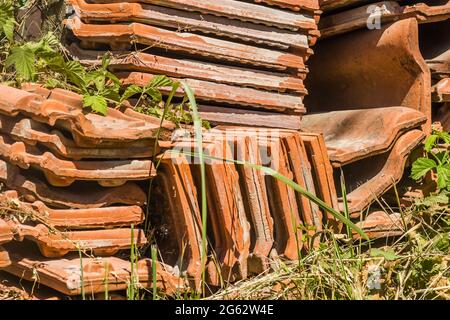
(87, 129)
(238, 10)
(210, 91)
(193, 21)
(100, 242)
(122, 35)
(379, 224)
(177, 205)
(81, 194)
(253, 187)
(352, 135)
(117, 216)
(182, 68)
(33, 132)
(64, 172)
(98, 274)
(4, 258)
(370, 178)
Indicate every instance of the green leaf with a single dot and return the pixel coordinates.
(159, 81)
(96, 103)
(23, 60)
(131, 91)
(8, 28)
(421, 166)
(443, 176)
(434, 200)
(388, 254)
(430, 142)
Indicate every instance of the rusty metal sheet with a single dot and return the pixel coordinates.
(238, 10)
(379, 224)
(121, 35)
(87, 129)
(395, 73)
(64, 275)
(62, 173)
(117, 216)
(387, 11)
(182, 68)
(100, 242)
(176, 210)
(370, 178)
(81, 195)
(441, 91)
(195, 22)
(33, 132)
(214, 92)
(351, 135)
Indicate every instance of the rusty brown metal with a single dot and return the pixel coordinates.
(32, 132)
(386, 11)
(100, 242)
(64, 172)
(389, 61)
(370, 178)
(351, 135)
(88, 129)
(64, 275)
(81, 195)
(117, 216)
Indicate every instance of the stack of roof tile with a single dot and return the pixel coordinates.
(72, 175)
(252, 217)
(245, 60)
(370, 92)
(345, 21)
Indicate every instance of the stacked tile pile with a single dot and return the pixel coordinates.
(372, 64)
(345, 20)
(245, 60)
(72, 176)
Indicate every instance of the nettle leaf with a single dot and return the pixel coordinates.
(388, 254)
(160, 81)
(430, 142)
(131, 91)
(436, 200)
(96, 103)
(421, 167)
(23, 60)
(443, 174)
(8, 28)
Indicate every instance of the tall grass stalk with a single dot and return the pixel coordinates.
(199, 141)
